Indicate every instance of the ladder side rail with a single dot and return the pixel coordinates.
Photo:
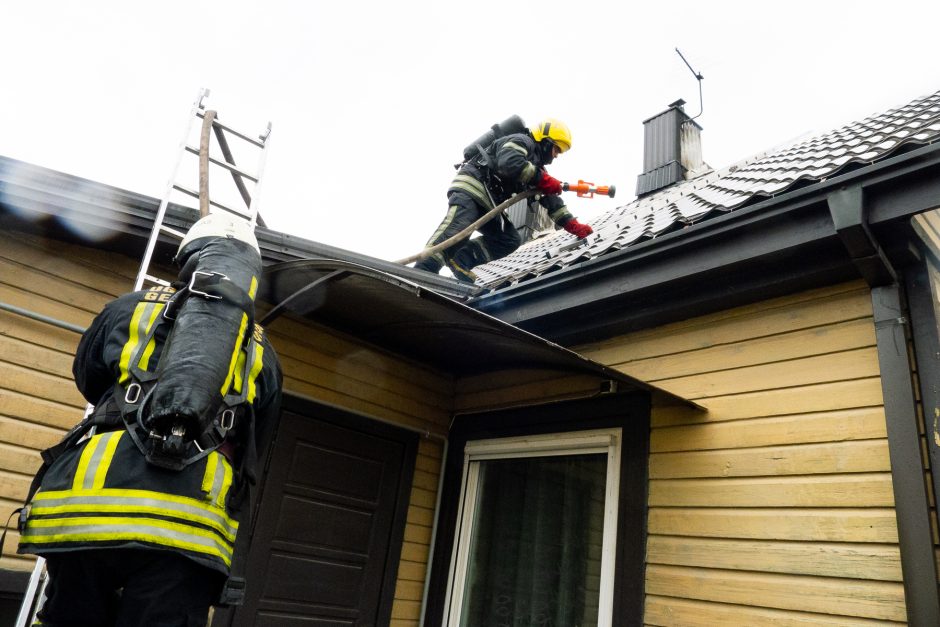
(161, 212)
(259, 171)
(34, 591)
(39, 579)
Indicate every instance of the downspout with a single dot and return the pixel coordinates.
(919, 570)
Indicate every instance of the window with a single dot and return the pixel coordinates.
(536, 534)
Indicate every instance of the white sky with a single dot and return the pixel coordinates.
(372, 102)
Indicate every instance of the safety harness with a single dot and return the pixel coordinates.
(174, 450)
(128, 403)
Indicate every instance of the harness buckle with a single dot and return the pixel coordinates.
(132, 395)
(228, 419)
(208, 275)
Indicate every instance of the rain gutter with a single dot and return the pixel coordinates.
(591, 281)
(34, 315)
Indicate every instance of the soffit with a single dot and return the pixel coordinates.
(407, 319)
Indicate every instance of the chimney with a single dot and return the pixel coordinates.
(672, 149)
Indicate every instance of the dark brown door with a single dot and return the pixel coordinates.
(327, 543)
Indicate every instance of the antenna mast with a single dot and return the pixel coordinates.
(698, 76)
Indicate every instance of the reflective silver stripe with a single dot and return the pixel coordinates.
(516, 147)
(101, 460)
(220, 479)
(528, 172)
(139, 340)
(143, 529)
(558, 214)
(94, 461)
(451, 212)
(473, 187)
(93, 503)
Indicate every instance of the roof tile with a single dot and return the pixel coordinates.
(717, 192)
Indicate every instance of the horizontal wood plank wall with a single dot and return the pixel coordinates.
(775, 506)
(329, 367)
(39, 402)
(520, 388)
(38, 399)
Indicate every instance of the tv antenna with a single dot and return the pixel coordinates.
(698, 76)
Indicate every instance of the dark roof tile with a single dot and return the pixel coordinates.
(717, 192)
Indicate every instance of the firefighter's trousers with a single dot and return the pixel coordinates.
(498, 238)
(127, 588)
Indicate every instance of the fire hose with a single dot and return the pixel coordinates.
(583, 189)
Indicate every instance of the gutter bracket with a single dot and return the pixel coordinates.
(847, 208)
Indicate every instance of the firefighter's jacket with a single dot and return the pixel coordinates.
(514, 165)
(103, 493)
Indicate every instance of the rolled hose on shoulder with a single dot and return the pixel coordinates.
(196, 368)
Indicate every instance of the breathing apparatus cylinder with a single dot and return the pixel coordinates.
(220, 263)
(512, 124)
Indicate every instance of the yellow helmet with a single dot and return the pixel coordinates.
(555, 131)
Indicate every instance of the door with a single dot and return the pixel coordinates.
(326, 546)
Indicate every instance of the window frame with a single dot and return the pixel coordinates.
(631, 412)
(923, 303)
(597, 441)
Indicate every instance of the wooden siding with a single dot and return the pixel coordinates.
(502, 390)
(775, 505)
(39, 402)
(38, 399)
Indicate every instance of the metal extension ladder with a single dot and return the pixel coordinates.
(177, 187)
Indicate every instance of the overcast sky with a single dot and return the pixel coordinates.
(372, 102)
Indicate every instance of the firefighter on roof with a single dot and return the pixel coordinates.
(138, 522)
(494, 171)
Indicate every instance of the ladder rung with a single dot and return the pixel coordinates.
(185, 190)
(172, 231)
(240, 214)
(195, 194)
(231, 130)
(227, 166)
(157, 280)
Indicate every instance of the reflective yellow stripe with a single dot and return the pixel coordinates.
(104, 463)
(239, 369)
(227, 476)
(253, 288)
(134, 501)
(238, 347)
(255, 371)
(217, 479)
(143, 318)
(208, 477)
(95, 460)
(118, 528)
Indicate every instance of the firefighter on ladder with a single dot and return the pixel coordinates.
(510, 164)
(137, 523)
